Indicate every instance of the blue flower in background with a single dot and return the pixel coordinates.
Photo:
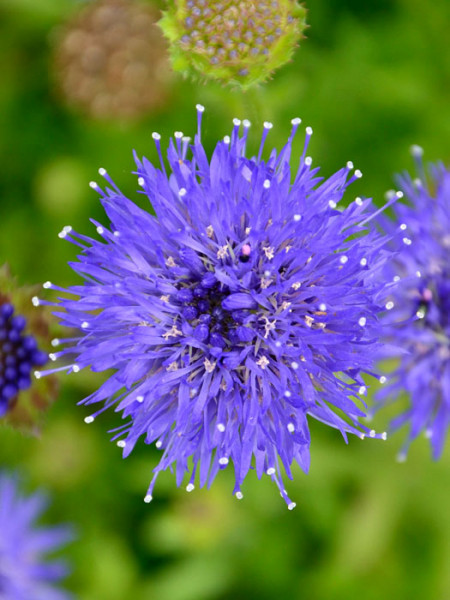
(19, 354)
(420, 304)
(26, 573)
(249, 302)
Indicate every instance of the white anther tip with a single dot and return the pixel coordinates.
(297, 218)
(239, 495)
(141, 181)
(291, 427)
(75, 368)
(349, 165)
(121, 443)
(266, 184)
(384, 436)
(291, 505)
(102, 171)
(296, 121)
(55, 342)
(372, 433)
(35, 301)
(382, 379)
(89, 419)
(47, 285)
(246, 123)
(223, 461)
(308, 161)
(37, 375)
(309, 131)
(416, 150)
(220, 427)
(84, 325)
(52, 356)
(190, 487)
(200, 107)
(267, 125)
(270, 471)
(236, 122)
(178, 135)
(156, 135)
(358, 174)
(140, 399)
(148, 498)
(93, 185)
(100, 230)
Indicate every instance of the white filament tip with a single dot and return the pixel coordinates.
(416, 150)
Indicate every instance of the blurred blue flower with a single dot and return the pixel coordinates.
(420, 306)
(249, 302)
(26, 573)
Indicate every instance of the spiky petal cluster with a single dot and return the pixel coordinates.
(420, 306)
(23, 332)
(26, 573)
(237, 42)
(247, 303)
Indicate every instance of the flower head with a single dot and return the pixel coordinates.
(235, 42)
(247, 303)
(21, 336)
(111, 60)
(25, 571)
(420, 305)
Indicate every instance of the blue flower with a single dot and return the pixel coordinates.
(249, 302)
(19, 355)
(420, 306)
(25, 571)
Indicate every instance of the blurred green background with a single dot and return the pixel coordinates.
(371, 78)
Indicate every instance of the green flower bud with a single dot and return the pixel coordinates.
(234, 41)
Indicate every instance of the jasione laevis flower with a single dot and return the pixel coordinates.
(22, 334)
(420, 306)
(249, 302)
(237, 42)
(26, 570)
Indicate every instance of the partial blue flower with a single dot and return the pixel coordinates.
(420, 306)
(248, 303)
(26, 572)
